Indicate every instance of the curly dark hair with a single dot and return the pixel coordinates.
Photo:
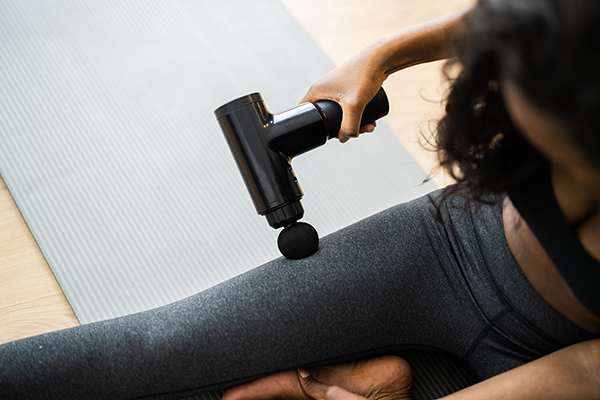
(551, 50)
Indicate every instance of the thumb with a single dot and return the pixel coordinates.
(321, 391)
(351, 115)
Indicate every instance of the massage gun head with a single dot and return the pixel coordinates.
(263, 144)
(298, 240)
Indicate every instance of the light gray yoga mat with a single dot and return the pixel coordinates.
(112, 152)
(110, 149)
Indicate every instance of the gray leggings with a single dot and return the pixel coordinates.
(397, 280)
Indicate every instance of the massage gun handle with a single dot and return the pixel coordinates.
(377, 108)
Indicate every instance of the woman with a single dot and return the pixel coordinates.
(459, 270)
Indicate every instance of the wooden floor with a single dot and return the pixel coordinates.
(31, 301)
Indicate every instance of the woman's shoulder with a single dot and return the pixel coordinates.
(579, 204)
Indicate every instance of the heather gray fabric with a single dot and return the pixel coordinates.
(397, 280)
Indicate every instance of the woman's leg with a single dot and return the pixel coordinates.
(392, 281)
(367, 290)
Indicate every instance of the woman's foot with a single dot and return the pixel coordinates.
(387, 377)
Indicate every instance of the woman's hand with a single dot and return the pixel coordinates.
(321, 391)
(355, 82)
(352, 85)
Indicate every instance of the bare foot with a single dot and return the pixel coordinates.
(387, 377)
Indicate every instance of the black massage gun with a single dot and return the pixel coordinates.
(263, 145)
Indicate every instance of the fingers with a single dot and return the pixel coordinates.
(368, 128)
(351, 114)
(320, 391)
(352, 98)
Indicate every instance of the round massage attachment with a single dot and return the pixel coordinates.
(298, 240)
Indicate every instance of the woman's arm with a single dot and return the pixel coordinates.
(570, 373)
(355, 82)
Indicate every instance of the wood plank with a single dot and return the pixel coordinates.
(31, 301)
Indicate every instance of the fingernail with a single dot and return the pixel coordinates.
(303, 373)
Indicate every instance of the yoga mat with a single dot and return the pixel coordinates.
(110, 148)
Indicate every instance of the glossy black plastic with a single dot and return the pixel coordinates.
(263, 144)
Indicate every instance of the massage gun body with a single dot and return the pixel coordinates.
(263, 145)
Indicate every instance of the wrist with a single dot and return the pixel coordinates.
(378, 59)
(394, 53)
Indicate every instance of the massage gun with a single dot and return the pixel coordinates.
(263, 145)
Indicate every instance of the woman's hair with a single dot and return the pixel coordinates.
(551, 50)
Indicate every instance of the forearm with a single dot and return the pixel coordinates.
(570, 373)
(430, 41)
(354, 83)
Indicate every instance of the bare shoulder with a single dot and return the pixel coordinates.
(579, 202)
